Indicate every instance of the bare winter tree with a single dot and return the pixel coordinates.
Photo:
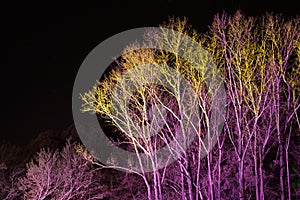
(261, 74)
(60, 175)
(11, 168)
(161, 104)
(259, 63)
(162, 108)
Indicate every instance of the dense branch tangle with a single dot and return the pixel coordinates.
(159, 110)
(259, 60)
(256, 58)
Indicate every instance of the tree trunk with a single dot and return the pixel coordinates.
(281, 166)
(261, 175)
(210, 181)
(288, 173)
(183, 194)
(256, 168)
(219, 172)
(279, 138)
(241, 179)
(198, 191)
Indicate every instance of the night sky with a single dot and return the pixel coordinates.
(44, 46)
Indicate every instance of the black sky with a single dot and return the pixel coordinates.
(44, 45)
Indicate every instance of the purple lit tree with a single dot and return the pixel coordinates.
(260, 67)
(259, 62)
(256, 156)
(61, 175)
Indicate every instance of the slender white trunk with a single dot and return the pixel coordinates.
(241, 179)
(261, 175)
(219, 170)
(256, 168)
(279, 138)
(288, 172)
(198, 191)
(257, 177)
(159, 185)
(190, 188)
(148, 187)
(210, 181)
(183, 194)
(281, 166)
(155, 186)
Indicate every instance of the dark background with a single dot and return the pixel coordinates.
(44, 45)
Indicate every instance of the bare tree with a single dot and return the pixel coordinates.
(169, 93)
(11, 168)
(61, 175)
(258, 59)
